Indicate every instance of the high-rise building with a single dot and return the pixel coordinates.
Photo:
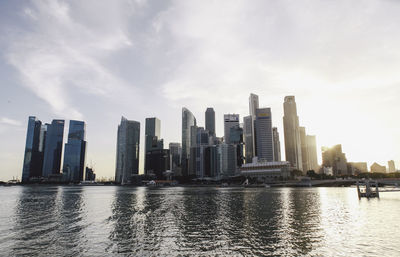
(253, 106)
(175, 151)
(291, 133)
(226, 160)
(128, 142)
(153, 139)
(334, 157)
(210, 161)
(158, 162)
(210, 121)
(230, 120)
(312, 153)
(303, 143)
(355, 168)
(265, 144)
(248, 137)
(53, 148)
(277, 144)
(188, 120)
(33, 158)
(391, 166)
(236, 138)
(75, 152)
(89, 174)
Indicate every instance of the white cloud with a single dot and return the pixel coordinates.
(10, 122)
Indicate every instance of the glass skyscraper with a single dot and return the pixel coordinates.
(33, 158)
(210, 121)
(53, 148)
(265, 146)
(75, 152)
(188, 121)
(127, 161)
(152, 138)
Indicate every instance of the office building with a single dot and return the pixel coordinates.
(264, 142)
(153, 139)
(158, 162)
(248, 137)
(253, 106)
(376, 168)
(175, 151)
(188, 121)
(75, 152)
(312, 153)
(303, 143)
(53, 148)
(391, 166)
(355, 168)
(266, 171)
(210, 121)
(226, 160)
(33, 158)
(277, 144)
(89, 174)
(334, 157)
(128, 142)
(230, 120)
(291, 133)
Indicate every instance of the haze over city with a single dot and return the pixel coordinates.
(98, 61)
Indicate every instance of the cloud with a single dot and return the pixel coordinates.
(10, 122)
(59, 54)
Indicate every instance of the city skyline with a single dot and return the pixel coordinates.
(345, 80)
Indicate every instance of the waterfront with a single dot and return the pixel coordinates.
(140, 221)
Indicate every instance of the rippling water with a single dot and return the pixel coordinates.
(124, 221)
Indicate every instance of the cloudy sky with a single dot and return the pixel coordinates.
(97, 60)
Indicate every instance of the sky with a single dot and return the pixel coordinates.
(98, 60)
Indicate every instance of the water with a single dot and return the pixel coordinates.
(129, 221)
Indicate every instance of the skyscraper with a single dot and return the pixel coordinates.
(230, 120)
(175, 150)
(303, 143)
(152, 138)
(53, 148)
(248, 137)
(291, 133)
(33, 158)
(277, 144)
(312, 153)
(391, 166)
(188, 120)
(335, 158)
(128, 142)
(253, 106)
(263, 124)
(210, 121)
(75, 152)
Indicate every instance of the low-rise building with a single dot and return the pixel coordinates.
(266, 170)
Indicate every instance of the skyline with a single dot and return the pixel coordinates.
(345, 80)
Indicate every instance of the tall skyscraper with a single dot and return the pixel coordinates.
(33, 158)
(53, 148)
(157, 162)
(263, 124)
(253, 106)
(391, 166)
(303, 143)
(210, 121)
(226, 160)
(152, 138)
(128, 142)
(291, 133)
(175, 150)
(277, 144)
(230, 120)
(188, 120)
(248, 137)
(312, 153)
(75, 152)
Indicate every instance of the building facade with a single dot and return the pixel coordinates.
(53, 148)
(153, 139)
(210, 121)
(277, 144)
(128, 142)
(304, 153)
(230, 120)
(175, 151)
(265, 144)
(312, 153)
(334, 157)
(188, 121)
(292, 133)
(392, 167)
(75, 152)
(33, 157)
(248, 137)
